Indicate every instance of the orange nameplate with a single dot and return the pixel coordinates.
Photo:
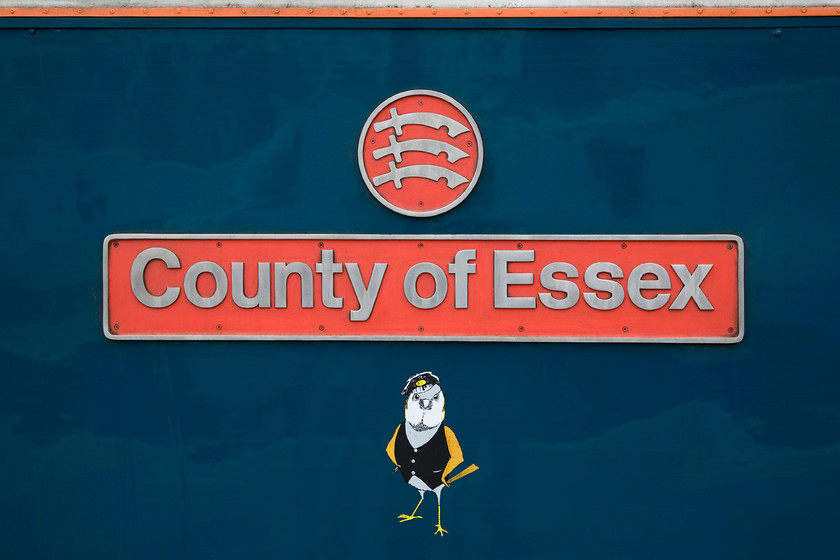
(634, 288)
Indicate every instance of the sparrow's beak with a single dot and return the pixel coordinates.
(426, 404)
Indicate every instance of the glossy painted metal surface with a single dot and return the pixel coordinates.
(193, 449)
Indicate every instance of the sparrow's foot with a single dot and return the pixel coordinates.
(403, 518)
(440, 530)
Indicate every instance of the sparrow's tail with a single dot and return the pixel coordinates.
(465, 472)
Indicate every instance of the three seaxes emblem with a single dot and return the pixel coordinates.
(420, 153)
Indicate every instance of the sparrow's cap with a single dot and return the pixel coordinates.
(420, 381)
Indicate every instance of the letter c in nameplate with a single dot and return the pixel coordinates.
(511, 288)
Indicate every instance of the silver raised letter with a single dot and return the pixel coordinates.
(237, 277)
(327, 268)
(502, 279)
(281, 277)
(365, 295)
(461, 268)
(603, 285)
(691, 287)
(635, 285)
(549, 282)
(410, 285)
(191, 290)
(138, 277)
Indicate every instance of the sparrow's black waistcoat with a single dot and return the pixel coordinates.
(425, 462)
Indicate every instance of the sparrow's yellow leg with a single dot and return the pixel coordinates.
(440, 529)
(405, 517)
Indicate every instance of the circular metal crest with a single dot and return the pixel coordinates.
(420, 153)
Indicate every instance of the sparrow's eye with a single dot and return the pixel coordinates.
(436, 396)
(415, 397)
